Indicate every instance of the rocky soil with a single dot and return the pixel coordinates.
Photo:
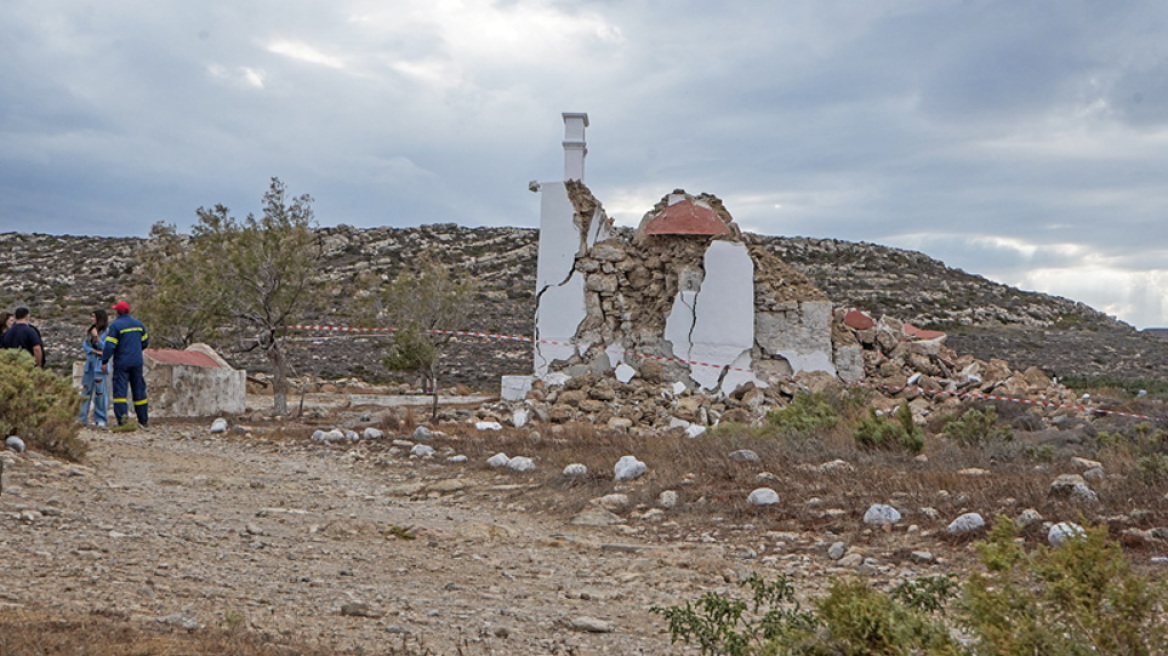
(307, 539)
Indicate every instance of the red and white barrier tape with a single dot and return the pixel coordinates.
(893, 388)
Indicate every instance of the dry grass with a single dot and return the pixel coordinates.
(41, 632)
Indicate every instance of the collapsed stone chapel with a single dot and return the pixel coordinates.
(683, 298)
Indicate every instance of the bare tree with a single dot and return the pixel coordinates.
(248, 278)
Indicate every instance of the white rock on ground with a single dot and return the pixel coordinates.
(219, 425)
(422, 450)
(488, 425)
(667, 499)
(967, 523)
(629, 468)
(1027, 517)
(1060, 533)
(372, 433)
(575, 469)
(743, 455)
(520, 417)
(879, 514)
(763, 496)
(521, 464)
(498, 460)
(837, 550)
(456, 459)
(421, 434)
(15, 443)
(615, 501)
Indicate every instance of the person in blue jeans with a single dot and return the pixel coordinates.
(124, 342)
(93, 379)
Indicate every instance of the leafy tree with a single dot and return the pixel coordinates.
(246, 278)
(424, 303)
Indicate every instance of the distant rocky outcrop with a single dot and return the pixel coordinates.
(62, 278)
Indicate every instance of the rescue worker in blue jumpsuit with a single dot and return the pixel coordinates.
(124, 343)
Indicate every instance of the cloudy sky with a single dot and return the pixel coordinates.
(1021, 140)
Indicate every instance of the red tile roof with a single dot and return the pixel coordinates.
(686, 218)
(189, 358)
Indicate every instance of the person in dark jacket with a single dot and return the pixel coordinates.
(124, 342)
(23, 335)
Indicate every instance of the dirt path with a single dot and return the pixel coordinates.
(297, 539)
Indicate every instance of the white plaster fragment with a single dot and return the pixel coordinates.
(515, 388)
(625, 373)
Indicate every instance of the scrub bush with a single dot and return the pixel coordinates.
(806, 413)
(1081, 598)
(977, 428)
(877, 432)
(38, 406)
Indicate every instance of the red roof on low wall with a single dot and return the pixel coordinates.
(920, 333)
(174, 356)
(686, 218)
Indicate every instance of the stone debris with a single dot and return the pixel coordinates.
(1027, 518)
(488, 425)
(1060, 533)
(15, 443)
(575, 469)
(880, 514)
(591, 625)
(498, 460)
(763, 496)
(744, 455)
(219, 426)
(837, 550)
(968, 523)
(371, 433)
(629, 468)
(521, 464)
(422, 451)
(667, 499)
(421, 434)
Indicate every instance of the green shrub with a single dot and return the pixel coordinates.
(806, 413)
(720, 624)
(852, 618)
(877, 432)
(977, 428)
(38, 406)
(1081, 598)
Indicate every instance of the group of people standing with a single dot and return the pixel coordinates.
(123, 341)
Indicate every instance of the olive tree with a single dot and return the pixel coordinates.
(424, 303)
(247, 279)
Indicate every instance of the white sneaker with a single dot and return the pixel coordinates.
(100, 424)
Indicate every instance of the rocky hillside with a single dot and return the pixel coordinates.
(62, 278)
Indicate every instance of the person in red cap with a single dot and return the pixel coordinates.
(124, 343)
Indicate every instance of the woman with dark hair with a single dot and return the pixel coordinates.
(6, 320)
(93, 380)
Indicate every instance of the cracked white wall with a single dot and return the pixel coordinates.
(714, 324)
(800, 335)
(559, 290)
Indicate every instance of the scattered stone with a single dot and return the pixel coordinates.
(930, 513)
(351, 435)
(15, 443)
(922, 557)
(595, 517)
(615, 501)
(763, 496)
(1083, 464)
(591, 625)
(1060, 533)
(766, 477)
(837, 550)
(488, 425)
(498, 460)
(880, 514)
(744, 455)
(1027, 518)
(835, 466)
(422, 450)
(974, 471)
(334, 435)
(1080, 493)
(520, 417)
(1065, 484)
(965, 524)
(181, 620)
(851, 560)
(1094, 474)
(629, 468)
(421, 434)
(372, 433)
(521, 464)
(219, 426)
(456, 459)
(575, 469)
(361, 609)
(667, 499)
